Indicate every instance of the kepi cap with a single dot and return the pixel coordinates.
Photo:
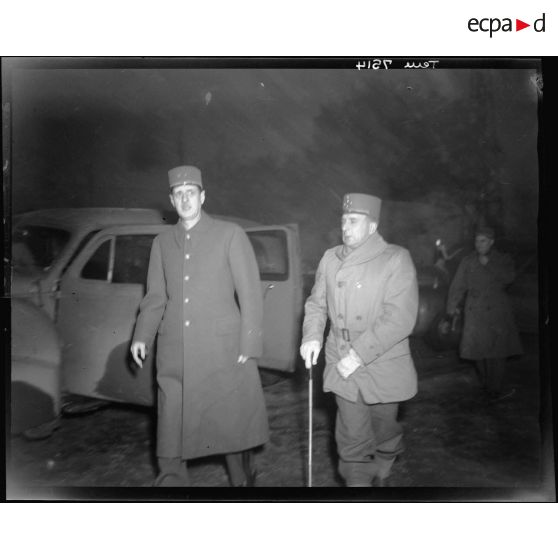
(184, 176)
(486, 231)
(363, 203)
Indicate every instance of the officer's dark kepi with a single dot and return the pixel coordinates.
(363, 203)
(185, 175)
(485, 231)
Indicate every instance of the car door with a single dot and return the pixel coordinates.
(277, 251)
(99, 297)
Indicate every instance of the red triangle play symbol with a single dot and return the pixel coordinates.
(519, 25)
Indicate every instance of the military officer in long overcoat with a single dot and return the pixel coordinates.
(489, 331)
(210, 398)
(368, 289)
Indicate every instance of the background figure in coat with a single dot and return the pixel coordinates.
(210, 398)
(368, 289)
(489, 331)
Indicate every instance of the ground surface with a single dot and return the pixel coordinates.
(452, 438)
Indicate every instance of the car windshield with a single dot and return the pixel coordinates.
(36, 248)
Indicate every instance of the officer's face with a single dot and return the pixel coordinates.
(356, 228)
(483, 244)
(188, 201)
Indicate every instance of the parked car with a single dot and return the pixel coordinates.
(35, 380)
(86, 270)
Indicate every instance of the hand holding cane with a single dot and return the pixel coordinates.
(309, 351)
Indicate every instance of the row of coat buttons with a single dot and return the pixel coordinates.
(187, 278)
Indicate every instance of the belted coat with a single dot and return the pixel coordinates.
(371, 299)
(489, 329)
(208, 403)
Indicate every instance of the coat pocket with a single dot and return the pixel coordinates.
(227, 343)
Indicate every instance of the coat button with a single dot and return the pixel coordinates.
(186, 278)
(188, 236)
(186, 300)
(187, 323)
(187, 256)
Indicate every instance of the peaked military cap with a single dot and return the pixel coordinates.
(486, 231)
(184, 176)
(363, 203)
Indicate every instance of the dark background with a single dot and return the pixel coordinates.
(445, 148)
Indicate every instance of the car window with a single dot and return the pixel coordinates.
(131, 258)
(97, 267)
(37, 246)
(270, 248)
(82, 243)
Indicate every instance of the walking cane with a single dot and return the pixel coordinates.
(310, 426)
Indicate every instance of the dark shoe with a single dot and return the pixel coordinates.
(250, 481)
(249, 470)
(358, 474)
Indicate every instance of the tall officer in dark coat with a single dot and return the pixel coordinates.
(368, 289)
(210, 398)
(489, 331)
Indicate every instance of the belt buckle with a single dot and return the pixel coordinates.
(345, 334)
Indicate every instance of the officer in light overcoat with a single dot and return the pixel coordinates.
(368, 290)
(210, 398)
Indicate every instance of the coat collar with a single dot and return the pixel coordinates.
(374, 246)
(201, 227)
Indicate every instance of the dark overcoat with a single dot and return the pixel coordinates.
(207, 402)
(489, 329)
(371, 299)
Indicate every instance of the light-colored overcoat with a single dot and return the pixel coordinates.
(489, 329)
(371, 299)
(207, 402)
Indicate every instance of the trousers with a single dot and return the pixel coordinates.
(491, 373)
(173, 471)
(368, 439)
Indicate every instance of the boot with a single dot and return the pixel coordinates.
(173, 471)
(241, 470)
(249, 469)
(384, 470)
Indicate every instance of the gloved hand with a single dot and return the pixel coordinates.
(309, 351)
(139, 351)
(347, 365)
